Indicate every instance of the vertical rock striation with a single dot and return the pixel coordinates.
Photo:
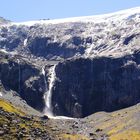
(24, 78)
(86, 86)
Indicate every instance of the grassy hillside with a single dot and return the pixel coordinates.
(16, 124)
(120, 125)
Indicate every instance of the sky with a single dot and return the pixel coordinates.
(25, 10)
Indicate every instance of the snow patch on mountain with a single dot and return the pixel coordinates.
(113, 35)
(117, 16)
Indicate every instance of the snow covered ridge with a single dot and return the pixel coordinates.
(117, 16)
(112, 35)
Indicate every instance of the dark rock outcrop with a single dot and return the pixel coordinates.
(86, 86)
(46, 47)
(24, 78)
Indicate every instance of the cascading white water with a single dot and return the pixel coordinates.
(48, 91)
(43, 73)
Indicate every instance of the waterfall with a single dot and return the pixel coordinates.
(44, 75)
(48, 93)
(48, 90)
(25, 42)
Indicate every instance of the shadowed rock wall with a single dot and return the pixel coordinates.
(86, 86)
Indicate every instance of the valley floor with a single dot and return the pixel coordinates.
(120, 125)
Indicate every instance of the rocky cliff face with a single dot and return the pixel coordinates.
(97, 61)
(86, 86)
(21, 76)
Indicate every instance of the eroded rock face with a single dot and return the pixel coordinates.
(86, 86)
(102, 36)
(24, 78)
(47, 48)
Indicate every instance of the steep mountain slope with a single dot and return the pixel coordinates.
(75, 67)
(112, 34)
(16, 124)
(112, 40)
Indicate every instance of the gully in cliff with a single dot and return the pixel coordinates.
(19, 73)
